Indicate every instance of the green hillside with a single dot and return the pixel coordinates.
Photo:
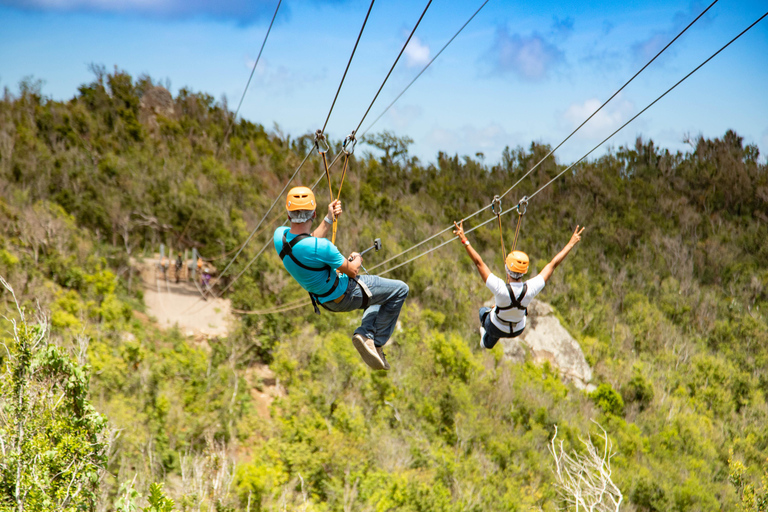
(667, 295)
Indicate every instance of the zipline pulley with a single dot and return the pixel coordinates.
(349, 139)
(496, 205)
(321, 143)
(522, 205)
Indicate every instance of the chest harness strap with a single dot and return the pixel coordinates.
(514, 302)
(287, 251)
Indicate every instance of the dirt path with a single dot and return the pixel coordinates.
(171, 303)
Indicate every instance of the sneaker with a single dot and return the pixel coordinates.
(380, 351)
(368, 352)
(482, 337)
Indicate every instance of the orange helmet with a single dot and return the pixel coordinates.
(517, 261)
(300, 198)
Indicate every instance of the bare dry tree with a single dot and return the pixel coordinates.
(584, 479)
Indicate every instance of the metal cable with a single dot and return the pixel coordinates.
(260, 251)
(348, 64)
(428, 239)
(424, 69)
(563, 141)
(442, 244)
(277, 309)
(393, 102)
(232, 121)
(590, 151)
(565, 170)
(609, 99)
(393, 66)
(265, 215)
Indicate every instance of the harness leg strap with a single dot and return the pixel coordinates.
(366, 293)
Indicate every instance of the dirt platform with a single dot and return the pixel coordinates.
(181, 303)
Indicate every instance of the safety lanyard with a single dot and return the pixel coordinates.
(322, 150)
(521, 208)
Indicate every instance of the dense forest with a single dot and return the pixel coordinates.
(101, 410)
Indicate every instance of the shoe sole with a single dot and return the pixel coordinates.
(371, 360)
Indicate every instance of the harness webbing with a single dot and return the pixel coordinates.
(287, 250)
(514, 302)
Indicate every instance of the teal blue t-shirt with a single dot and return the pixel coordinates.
(313, 252)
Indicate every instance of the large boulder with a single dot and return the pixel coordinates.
(547, 340)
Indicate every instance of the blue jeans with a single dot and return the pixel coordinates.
(379, 320)
(493, 333)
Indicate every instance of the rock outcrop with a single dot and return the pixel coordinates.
(547, 340)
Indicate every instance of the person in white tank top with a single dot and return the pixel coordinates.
(507, 318)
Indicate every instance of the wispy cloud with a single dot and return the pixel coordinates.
(416, 53)
(645, 49)
(281, 80)
(608, 119)
(490, 140)
(562, 28)
(241, 11)
(401, 117)
(530, 57)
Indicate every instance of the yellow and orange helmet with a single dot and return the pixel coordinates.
(517, 262)
(300, 198)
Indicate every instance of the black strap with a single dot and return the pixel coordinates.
(514, 302)
(364, 293)
(287, 250)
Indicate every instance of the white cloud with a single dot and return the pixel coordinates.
(613, 115)
(530, 57)
(416, 53)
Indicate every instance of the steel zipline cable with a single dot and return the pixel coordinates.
(529, 171)
(339, 154)
(535, 166)
(393, 66)
(609, 99)
(234, 118)
(425, 68)
(590, 151)
(305, 158)
(347, 68)
(295, 305)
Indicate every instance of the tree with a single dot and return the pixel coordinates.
(53, 442)
(584, 480)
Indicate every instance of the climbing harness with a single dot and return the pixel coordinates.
(287, 251)
(514, 302)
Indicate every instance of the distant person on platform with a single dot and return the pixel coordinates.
(332, 280)
(179, 265)
(164, 265)
(507, 318)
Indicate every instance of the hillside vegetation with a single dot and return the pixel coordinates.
(667, 295)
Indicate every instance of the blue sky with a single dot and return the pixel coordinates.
(520, 72)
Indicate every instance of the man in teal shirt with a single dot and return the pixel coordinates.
(332, 280)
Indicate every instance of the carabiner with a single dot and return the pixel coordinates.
(349, 139)
(320, 138)
(522, 205)
(496, 205)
